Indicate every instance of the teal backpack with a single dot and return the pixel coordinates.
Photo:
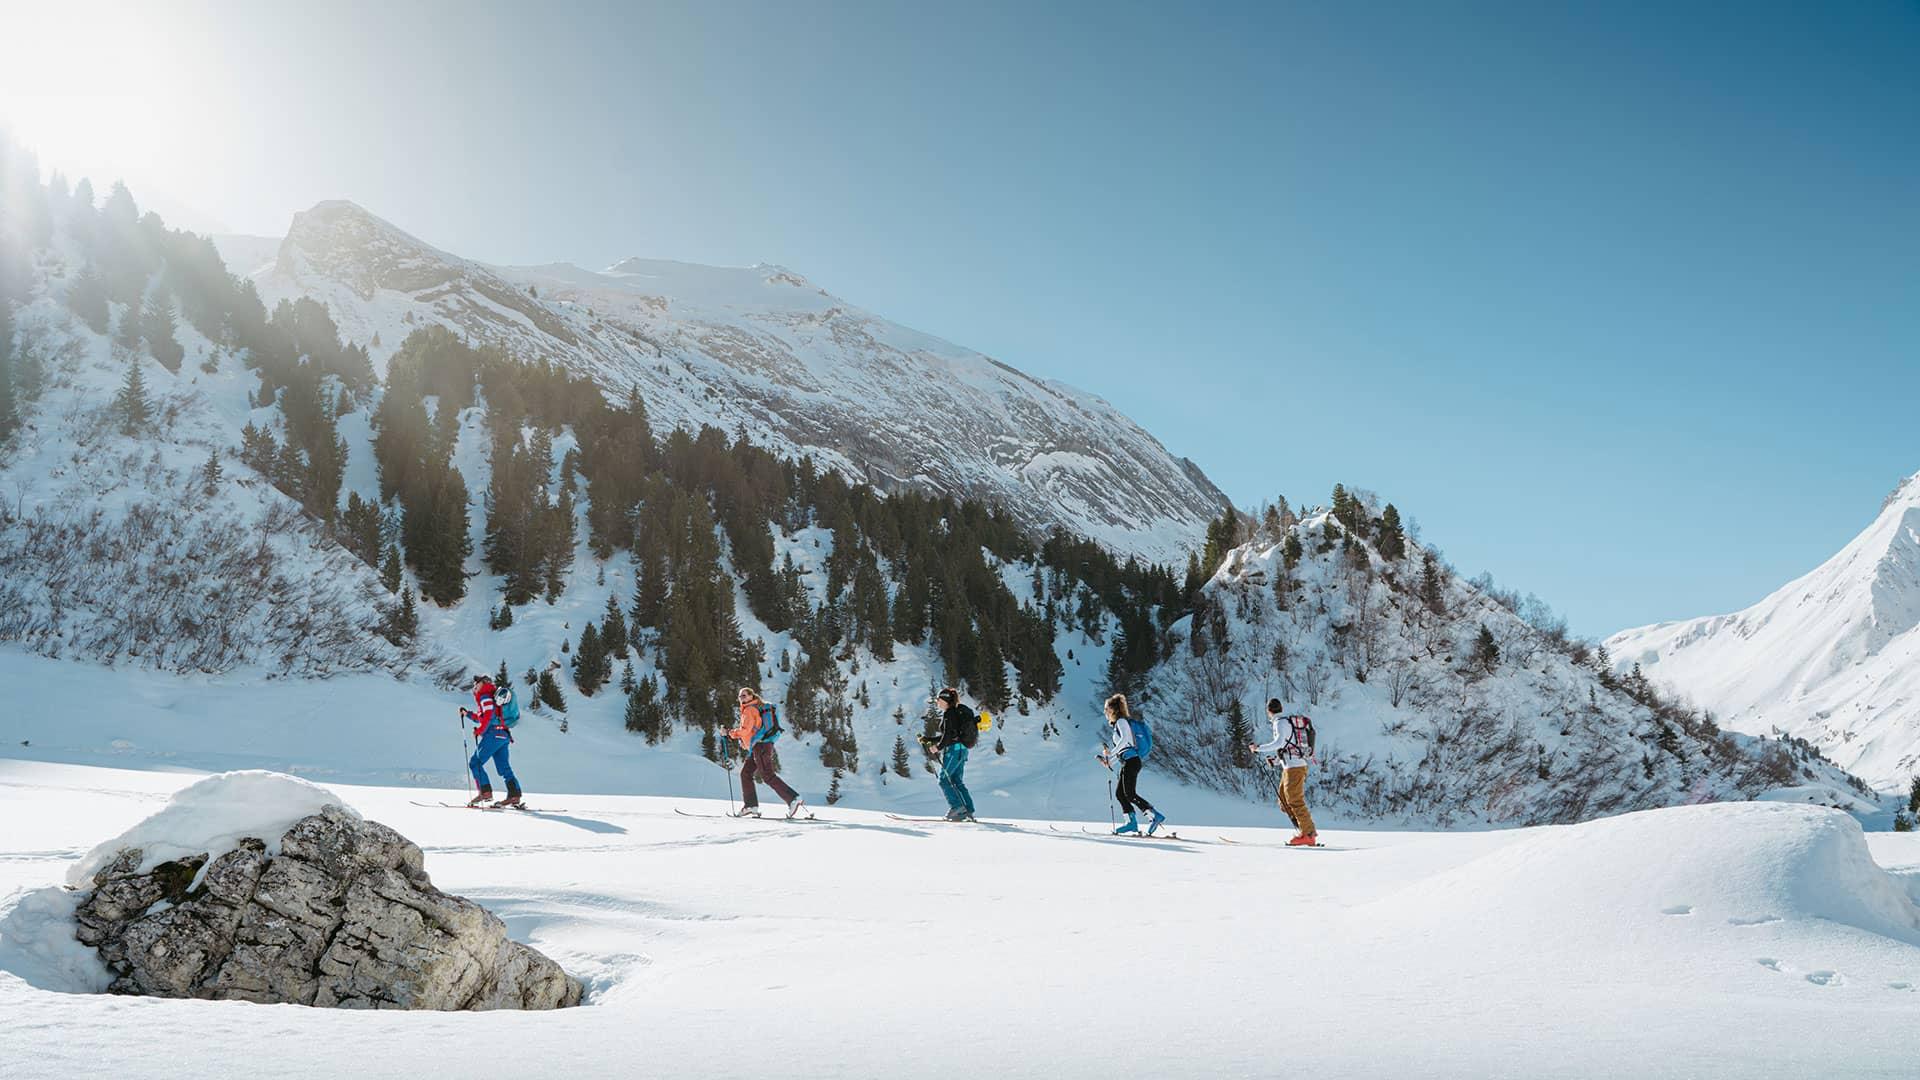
(508, 705)
(769, 723)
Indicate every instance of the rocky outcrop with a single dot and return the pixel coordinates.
(342, 916)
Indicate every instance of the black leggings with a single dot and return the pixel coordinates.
(1129, 776)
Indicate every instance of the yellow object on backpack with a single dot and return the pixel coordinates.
(986, 721)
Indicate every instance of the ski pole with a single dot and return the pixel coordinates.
(467, 755)
(726, 766)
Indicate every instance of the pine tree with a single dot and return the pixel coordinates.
(1239, 736)
(1669, 741)
(1393, 539)
(1486, 651)
(131, 404)
(613, 629)
(999, 747)
(390, 573)
(210, 473)
(627, 683)
(158, 324)
(404, 621)
(1291, 550)
(500, 677)
(635, 719)
(902, 764)
(1431, 593)
(359, 529)
(587, 660)
(833, 789)
(549, 692)
(992, 690)
(132, 323)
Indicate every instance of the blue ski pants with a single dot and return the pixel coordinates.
(953, 766)
(492, 748)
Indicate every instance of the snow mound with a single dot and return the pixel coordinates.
(212, 816)
(37, 945)
(1728, 863)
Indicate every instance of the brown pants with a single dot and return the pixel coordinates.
(1293, 798)
(760, 766)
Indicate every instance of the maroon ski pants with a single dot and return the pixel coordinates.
(759, 766)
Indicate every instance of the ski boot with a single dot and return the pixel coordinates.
(747, 811)
(482, 798)
(1305, 840)
(1131, 827)
(956, 814)
(513, 797)
(798, 809)
(1155, 819)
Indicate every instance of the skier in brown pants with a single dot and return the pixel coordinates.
(1292, 747)
(759, 726)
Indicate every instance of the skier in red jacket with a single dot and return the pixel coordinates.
(491, 740)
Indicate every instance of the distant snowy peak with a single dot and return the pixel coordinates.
(1833, 656)
(339, 240)
(763, 350)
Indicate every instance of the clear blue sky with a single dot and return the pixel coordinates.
(1620, 302)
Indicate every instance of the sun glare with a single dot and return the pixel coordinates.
(92, 91)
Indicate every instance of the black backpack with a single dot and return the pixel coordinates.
(970, 734)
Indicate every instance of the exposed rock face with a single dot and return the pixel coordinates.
(344, 916)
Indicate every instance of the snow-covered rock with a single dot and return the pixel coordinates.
(210, 818)
(259, 887)
(761, 349)
(1832, 657)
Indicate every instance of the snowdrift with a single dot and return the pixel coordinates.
(211, 817)
(1737, 864)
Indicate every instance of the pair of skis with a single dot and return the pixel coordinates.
(808, 816)
(1174, 836)
(493, 806)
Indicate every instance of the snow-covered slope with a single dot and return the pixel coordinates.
(1745, 941)
(1412, 727)
(155, 616)
(1833, 657)
(762, 350)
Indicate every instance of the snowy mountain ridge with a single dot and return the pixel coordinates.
(1433, 699)
(764, 351)
(180, 582)
(1832, 657)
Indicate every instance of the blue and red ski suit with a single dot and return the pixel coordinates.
(491, 739)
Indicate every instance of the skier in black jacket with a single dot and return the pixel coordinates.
(959, 729)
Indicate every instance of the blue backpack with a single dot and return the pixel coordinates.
(769, 724)
(508, 704)
(1142, 736)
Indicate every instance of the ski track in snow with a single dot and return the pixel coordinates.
(713, 947)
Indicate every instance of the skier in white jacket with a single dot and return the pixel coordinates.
(1291, 748)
